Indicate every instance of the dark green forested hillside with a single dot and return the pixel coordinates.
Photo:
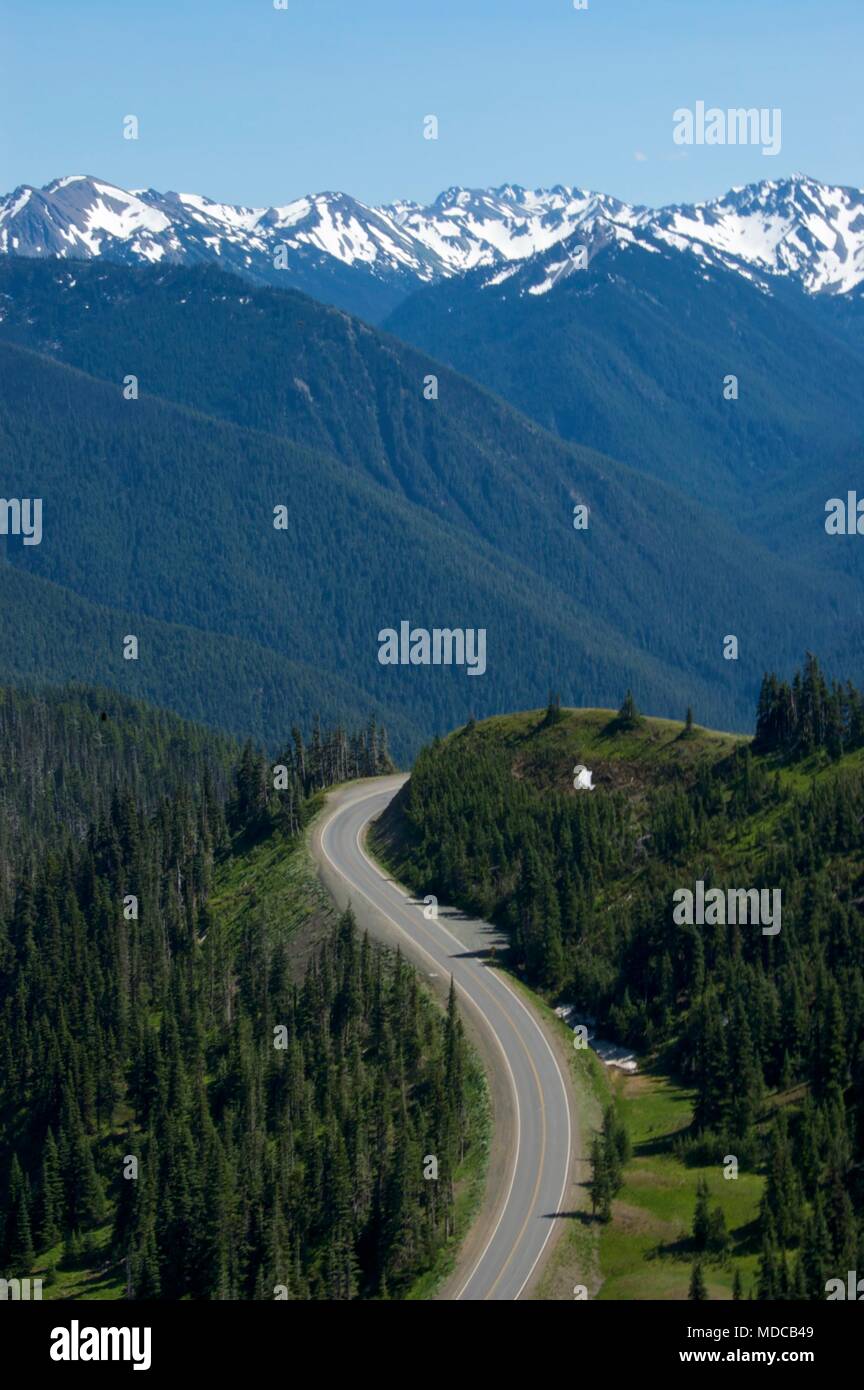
(180, 1114)
(227, 682)
(643, 345)
(153, 509)
(455, 511)
(768, 1029)
(65, 752)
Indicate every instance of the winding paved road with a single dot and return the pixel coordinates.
(530, 1098)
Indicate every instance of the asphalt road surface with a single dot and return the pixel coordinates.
(530, 1098)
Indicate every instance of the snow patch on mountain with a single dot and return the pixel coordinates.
(795, 228)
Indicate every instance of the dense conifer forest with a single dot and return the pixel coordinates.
(768, 1029)
(176, 1107)
(159, 512)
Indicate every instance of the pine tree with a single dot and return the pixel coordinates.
(18, 1253)
(701, 1217)
(831, 1062)
(596, 1172)
(51, 1202)
(553, 713)
(628, 715)
(768, 1284)
(816, 1252)
(718, 1236)
(698, 1288)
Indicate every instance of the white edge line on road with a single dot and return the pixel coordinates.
(324, 829)
(568, 1164)
(523, 1006)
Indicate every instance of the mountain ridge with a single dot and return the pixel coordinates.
(367, 258)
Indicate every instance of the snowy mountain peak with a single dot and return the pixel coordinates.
(797, 228)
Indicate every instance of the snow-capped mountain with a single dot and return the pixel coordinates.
(807, 231)
(83, 216)
(796, 228)
(468, 228)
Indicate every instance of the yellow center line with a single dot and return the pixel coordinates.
(480, 983)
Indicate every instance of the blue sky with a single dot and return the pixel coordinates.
(253, 105)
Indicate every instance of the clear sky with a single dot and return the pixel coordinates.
(249, 104)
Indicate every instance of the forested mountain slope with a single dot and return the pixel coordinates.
(51, 634)
(67, 749)
(586, 883)
(644, 341)
(453, 511)
(180, 1114)
(170, 515)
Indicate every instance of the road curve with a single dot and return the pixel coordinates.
(533, 1105)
